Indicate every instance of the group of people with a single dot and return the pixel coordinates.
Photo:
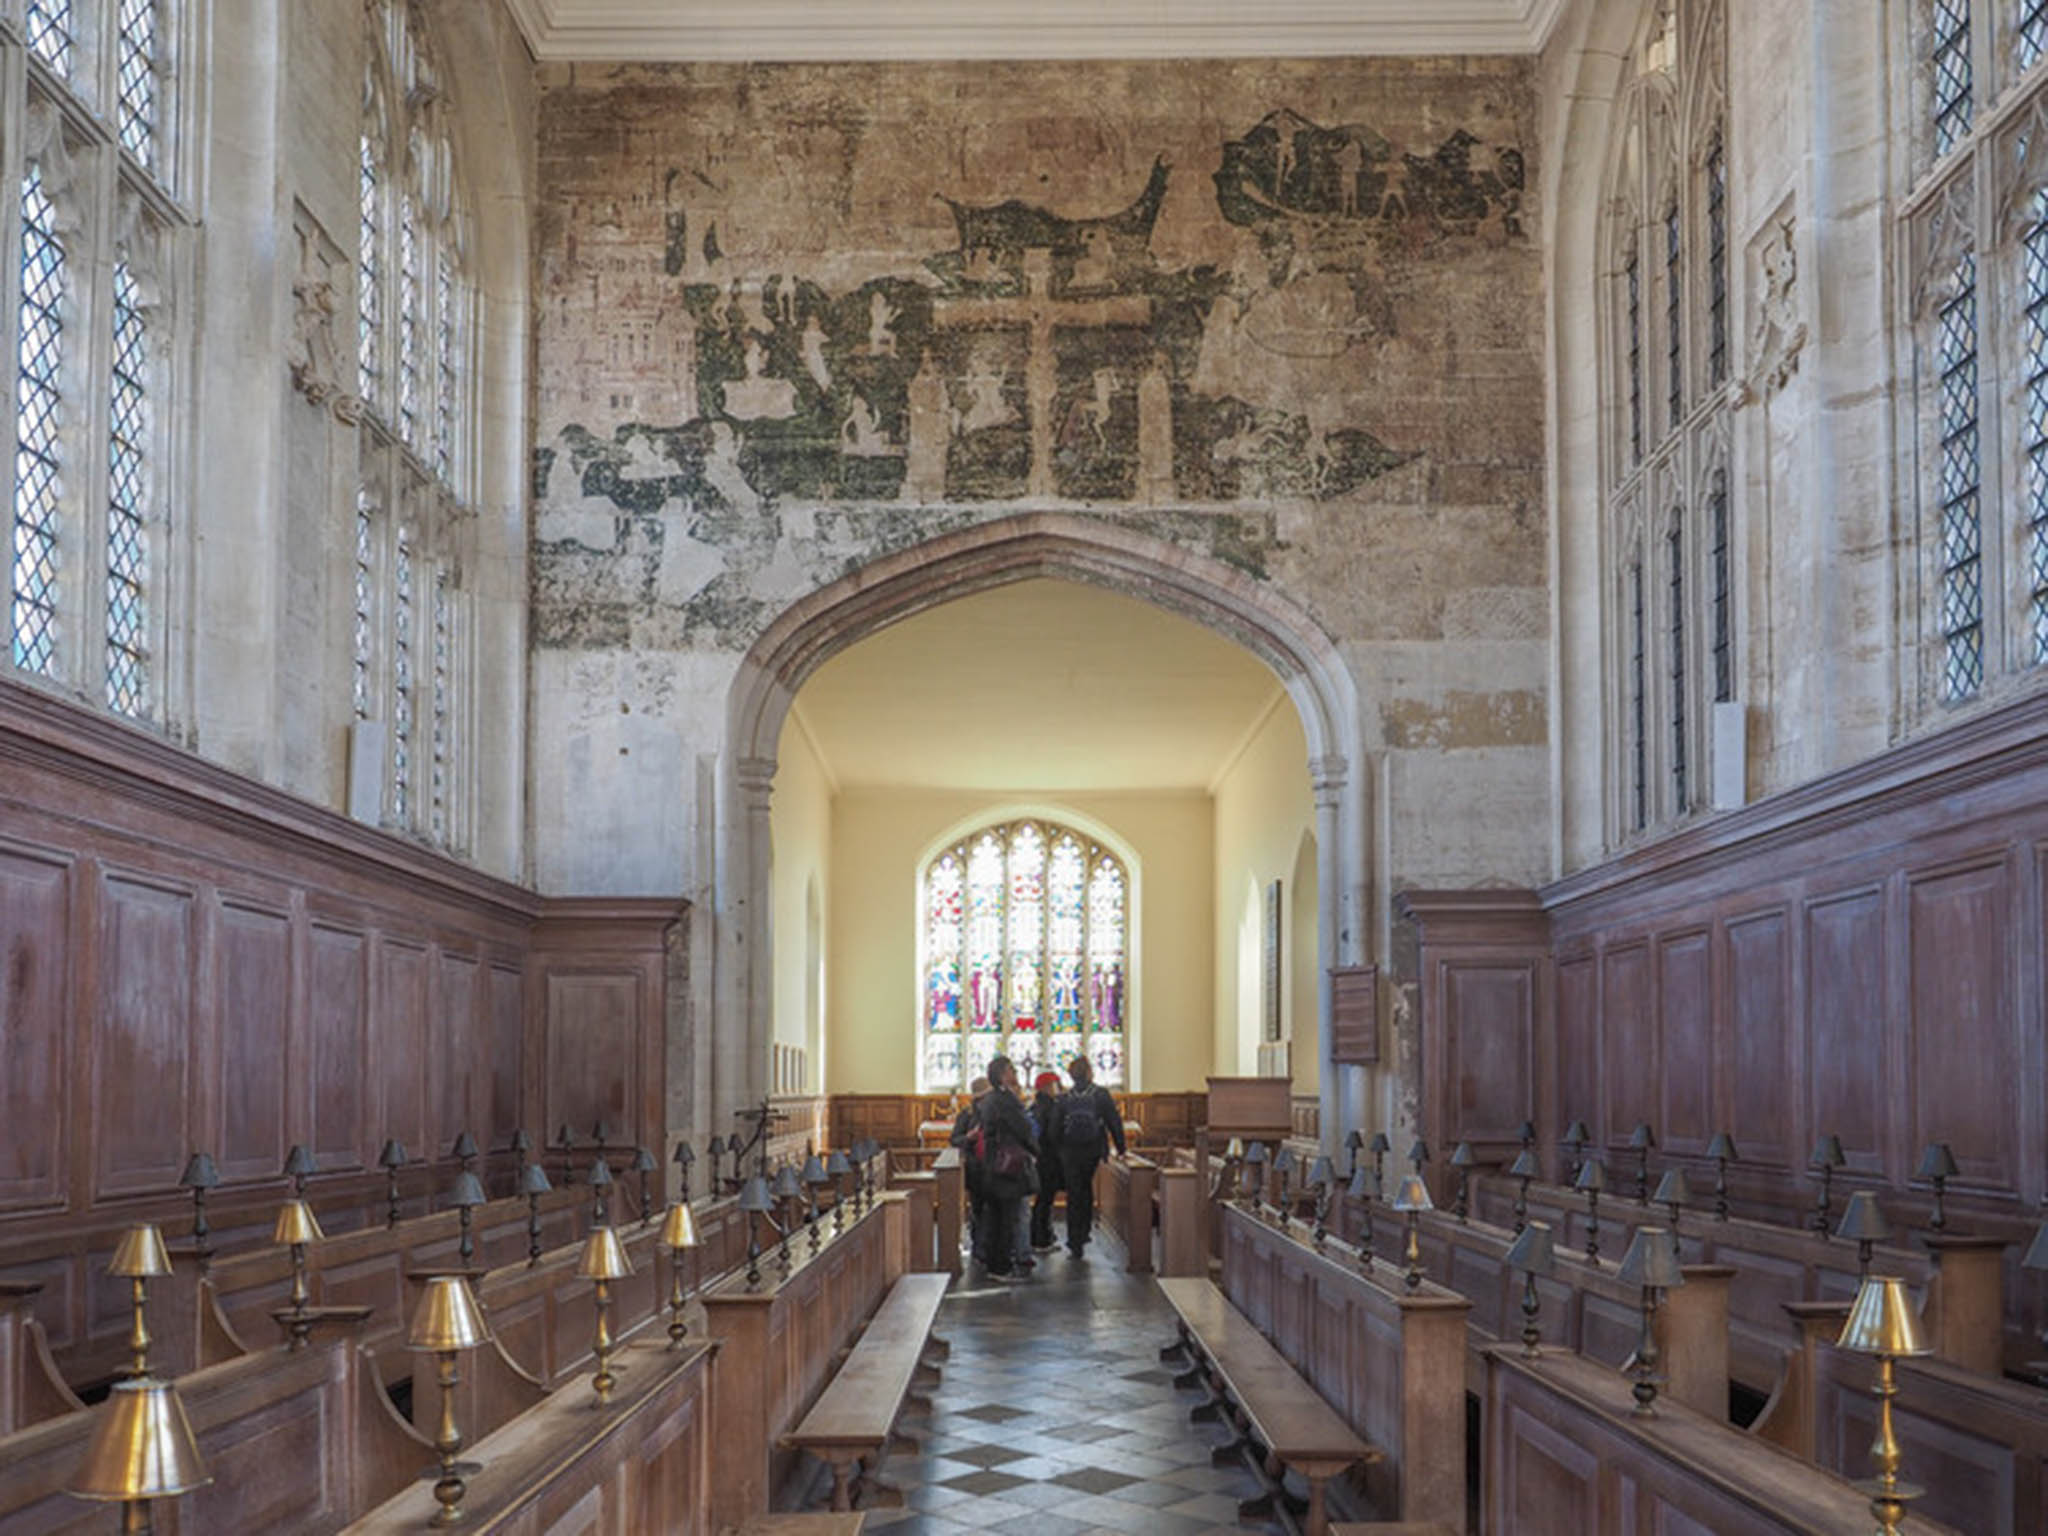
(1020, 1156)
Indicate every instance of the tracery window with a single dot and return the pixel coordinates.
(1024, 951)
(1976, 232)
(98, 243)
(1665, 431)
(415, 306)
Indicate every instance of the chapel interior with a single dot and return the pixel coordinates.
(606, 601)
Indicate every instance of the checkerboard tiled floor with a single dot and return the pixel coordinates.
(1055, 1417)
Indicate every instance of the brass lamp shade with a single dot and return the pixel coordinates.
(1320, 1174)
(787, 1185)
(1673, 1189)
(755, 1196)
(1650, 1261)
(140, 1254)
(295, 1224)
(600, 1174)
(1462, 1156)
(1642, 1137)
(447, 1317)
(1361, 1183)
(1525, 1133)
(1283, 1160)
(1525, 1166)
(679, 1227)
(1419, 1153)
(300, 1164)
(1827, 1152)
(683, 1156)
(643, 1161)
(1723, 1147)
(393, 1155)
(604, 1256)
(1535, 1251)
(534, 1181)
(1936, 1162)
(814, 1171)
(1255, 1154)
(1592, 1175)
(465, 1146)
(1235, 1150)
(142, 1446)
(200, 1173)
(1354, 1140)
(1379, 1143)
(2037, 1250)
(468, 1190)
(1576, 1134)
(1883, 1321)
(836, 1166)
(1411, 1194)
(1863, 1221)
(521, 1142)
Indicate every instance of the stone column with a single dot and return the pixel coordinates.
(1327, 776)
(740, 1040)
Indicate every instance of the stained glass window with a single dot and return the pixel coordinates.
(32, 619)
(127, 564)
(2030, 34)
(1633, 279)
(1675, 551)
(2034, 420)
(401, 682)
(1961, 539)
(137, 87)
(1025, 935)
(370, 273)
(52, 33)
(1674, 323)
(1717, 262)
(1638, 705)
(1949, 59)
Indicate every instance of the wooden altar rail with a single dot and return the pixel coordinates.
(641, 1465)
(1391, 1361)
(1564, 1457)
(780, 1342)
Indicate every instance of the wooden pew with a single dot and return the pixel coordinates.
(1565, 1456)
(31, 1389)
(952, 1207)
(1391, 1361)
(1183, 1250)
(854, 1417)
(1281, 1412)
(1126, 1188)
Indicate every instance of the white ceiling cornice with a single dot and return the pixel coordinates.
(815, 30)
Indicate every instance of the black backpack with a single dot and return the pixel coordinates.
(1081, 1125)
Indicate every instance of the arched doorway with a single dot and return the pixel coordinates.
(737, 996)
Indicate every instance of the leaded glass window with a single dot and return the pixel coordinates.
(360, 641)
(1638, 704)
(1724, 645)
(2030, 33)
(402, 682)
(32, 619)
(2034, 421)
(1961, 475)
(370, 273)
(1674, 546)
(409, 359)
(1949, 60)
(136, 88)
(1632, 278)
(1674, 322)
(1025, 931)
(443, 733)
(444, 366)
(1717, 262)
(52, 33)
(127, 565)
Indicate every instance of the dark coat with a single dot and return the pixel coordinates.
(1045, 1109)
(1104, 1104)
(1004, 1123)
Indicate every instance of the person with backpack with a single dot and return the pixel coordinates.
(1009, 1153)
(1045, 1108)
(1087, 1121)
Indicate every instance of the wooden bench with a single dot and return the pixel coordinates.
(1280, 1411)
(854, 1418)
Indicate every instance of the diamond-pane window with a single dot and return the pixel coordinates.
(1674, 544)
(32, 616)
(1674, 322)
(365, 605)
(444, 365)
(127, 554)
(443, 701)
(1961, 477)
(409, 359)
(1949, 58)
(402, 684)
(52, 33)
(1717, 262)
(2034, 421)
(1633, 278)
(137, 87)
(369, 273)
(2030, 33)
(1638, 704)
(1717, 559)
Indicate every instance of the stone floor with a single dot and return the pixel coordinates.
(1055, 1417)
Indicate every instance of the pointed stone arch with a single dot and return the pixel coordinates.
(897, 585)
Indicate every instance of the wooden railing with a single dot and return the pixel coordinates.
(1125, 1189)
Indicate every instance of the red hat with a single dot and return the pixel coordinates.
(1046, 1082)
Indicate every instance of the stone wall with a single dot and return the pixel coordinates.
(1285, 316)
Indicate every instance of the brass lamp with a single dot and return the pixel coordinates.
(604, 1260)
(1651, 1263)
(815, 1177)
(1283, 1165)
(1534, 1253)
(1411, 1199)
(138, 1259)
(1575, 1138)
(391, 1159)
(295, 1229)
(1255, 1176)
(1418, 1154)
(1379, 1147)
(1937, 1166)
(565, 1143)
(1525, 1133)
(464, 1150)
(1354, 1143)
(787, 1187)
(601, 1192)
(683, 1157)
(1463, 1158)
(142, 1448)
(466, 1196)
(599, 1133)
(836, 1170)
(533, 1183)
(446, 1322)
(1722, 1150)
(1320, 1174)
(645, 1165)
(678, 1235)
(756, 1200)
(1591, 1180)
(716, 1148)
(1827, 1157)
(1674, 1194)
(1361, 1189)
(1883, 1323)
(199, 1176)
(1864, 1225)
(1522, 1170)
(522, 1148)
(1641, 1140)
(300, 1165)
(738, 1150)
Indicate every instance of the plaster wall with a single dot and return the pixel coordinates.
(879, 837)
(800, 830)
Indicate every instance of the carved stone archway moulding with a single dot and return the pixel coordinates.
(895, 586)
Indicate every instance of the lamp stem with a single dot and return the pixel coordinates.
(1645, 1388)
(532, 1230)
(1462, 1204)
(448, 1489)
(1413, 1279)
(1593, 1227)
(1940, 1219)
(301, 1325)
(604, 1380)
(136, 1519)
(676, 1329)
(1720, 1189)
(1531, 1335)
(200, 1230)
(468, 1245)
(1820, 1211)
(138, 1328)
(1885, 1455)
(1322, 1214)
(1521, 1205)
(391, 1197)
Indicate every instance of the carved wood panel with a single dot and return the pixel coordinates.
(144, 1034)
(1685, 1038)
(1758, 1108)
(35, 901)
(1964, 1045)
(1845, 939)
(252, 990)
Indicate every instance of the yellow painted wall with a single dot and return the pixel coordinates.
(878, 838)
(800, 830)
(1263, 811)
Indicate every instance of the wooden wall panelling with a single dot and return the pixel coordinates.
(1759, 1085)
(35, 1014)
(338, 1026)
(143, 1035)
(1960, 988)
(1684, 1117)
(505, 1043)
(251, 1040)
